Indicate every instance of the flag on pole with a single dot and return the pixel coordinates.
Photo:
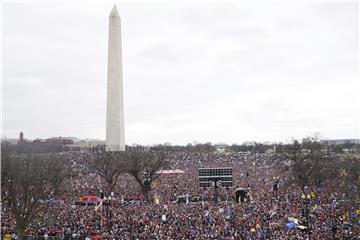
(99, 205)
(315, 207)
(345, 216)
(343, 173)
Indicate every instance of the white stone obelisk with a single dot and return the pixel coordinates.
(115, 136)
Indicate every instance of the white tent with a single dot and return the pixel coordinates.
(171, 171)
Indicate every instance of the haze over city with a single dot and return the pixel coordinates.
(217, 72)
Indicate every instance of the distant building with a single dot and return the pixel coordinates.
(38, 140)
(88, 143)
(249, 143)
(55, 144)
(59, 140)
(137, 148)
(340, 141)
(220, 149)
(53, 140)
(21, 138)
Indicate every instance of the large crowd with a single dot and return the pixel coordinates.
(284, 212)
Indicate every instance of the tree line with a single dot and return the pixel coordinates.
(256, 147)
(29, 178)
(310, 165)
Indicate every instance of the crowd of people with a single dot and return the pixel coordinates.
(276, 208)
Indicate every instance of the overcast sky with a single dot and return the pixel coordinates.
(209, 72)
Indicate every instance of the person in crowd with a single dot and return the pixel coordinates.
(274, 209)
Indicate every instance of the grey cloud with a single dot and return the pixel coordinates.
(217, 72)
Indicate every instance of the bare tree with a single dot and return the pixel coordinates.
(24, 182)
(108, 165)
(348, 145)
(27, 179)
(309, 165)
(143, 166)
(311, 143)
(303, 167)
(60, 169)
(349, 172)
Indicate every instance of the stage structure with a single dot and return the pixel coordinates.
(215, 177)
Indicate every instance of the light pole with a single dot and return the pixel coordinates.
(306, 201)
(307, 210)
(109, 213)
(216, 183)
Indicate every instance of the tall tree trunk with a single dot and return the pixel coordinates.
(20, 230)
(111, 187)
(56, 190)
(146, 192)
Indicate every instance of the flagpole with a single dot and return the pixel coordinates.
(101, 222)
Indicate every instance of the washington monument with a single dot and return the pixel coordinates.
(115, 136)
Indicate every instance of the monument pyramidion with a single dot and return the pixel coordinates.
(115, 131)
